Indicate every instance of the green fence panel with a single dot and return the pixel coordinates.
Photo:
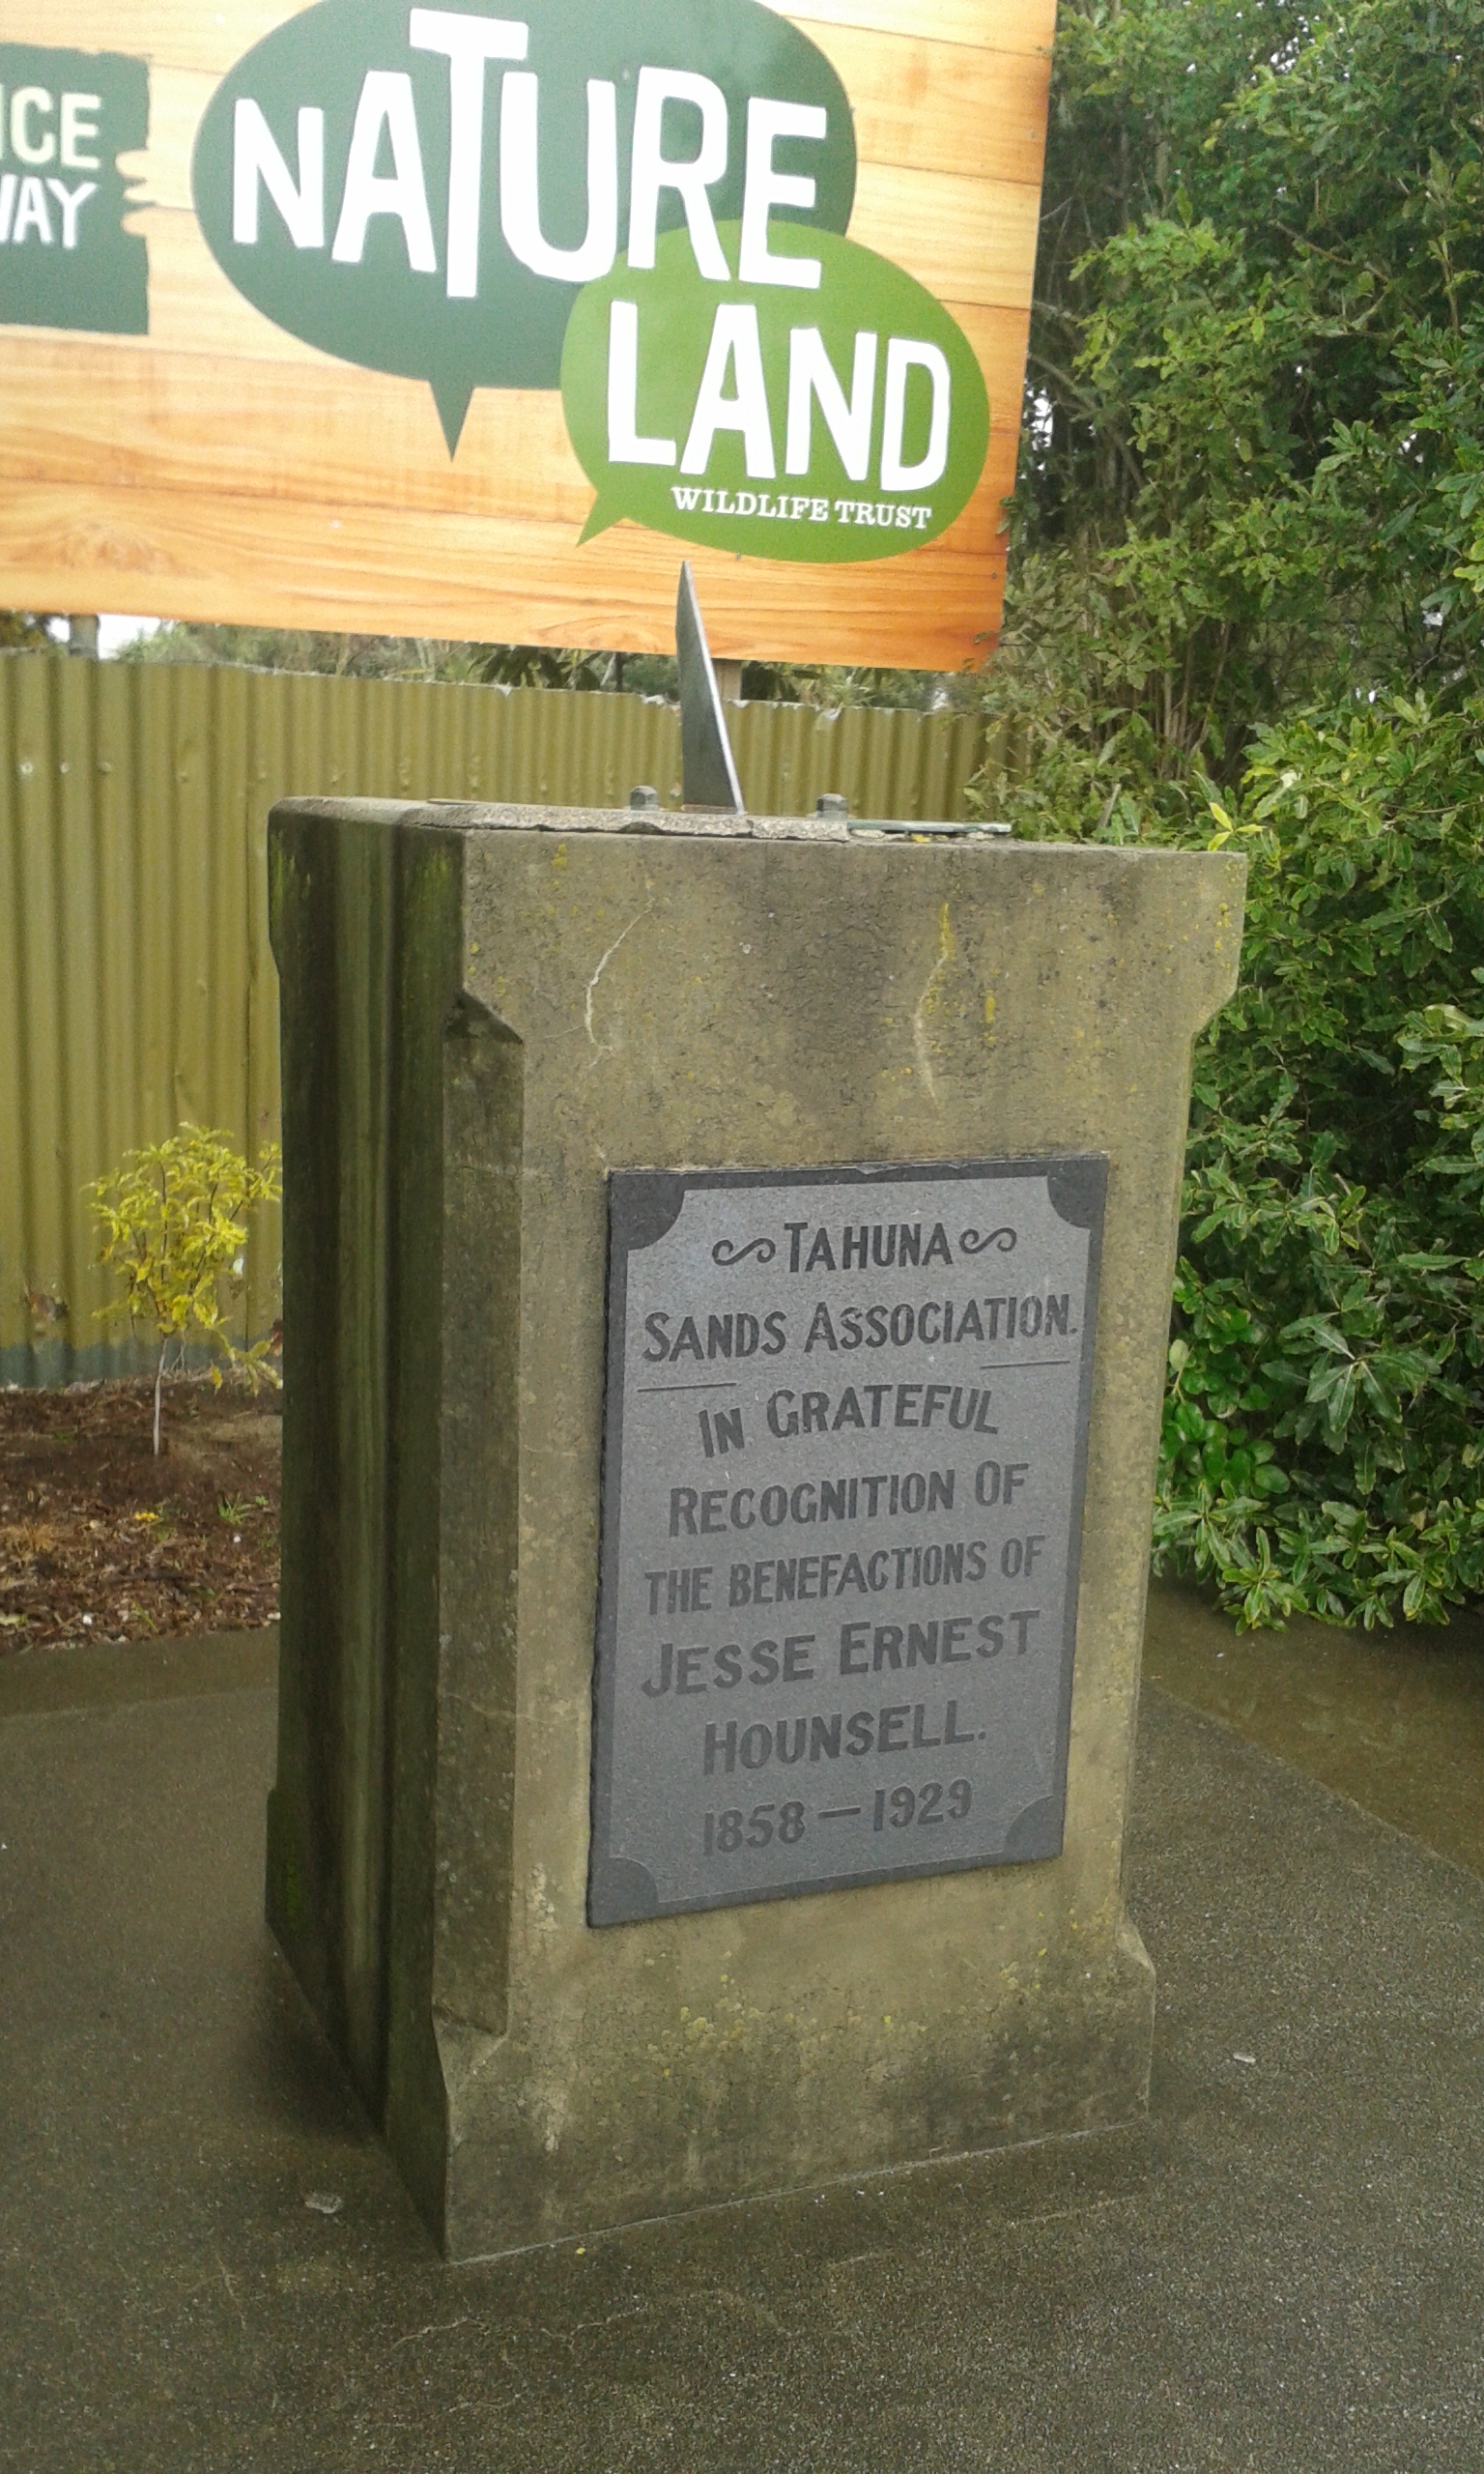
(136, 984)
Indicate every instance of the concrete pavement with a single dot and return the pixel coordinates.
(205, 2261)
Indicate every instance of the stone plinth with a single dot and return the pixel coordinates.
(487, 1013)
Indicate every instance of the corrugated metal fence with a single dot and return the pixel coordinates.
(136, 985)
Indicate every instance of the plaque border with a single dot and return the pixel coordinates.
(641, 1211)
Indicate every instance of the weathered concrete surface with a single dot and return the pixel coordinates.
(480, 1020)
(1278, 2270)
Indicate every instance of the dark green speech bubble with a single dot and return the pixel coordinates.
(428, 285)
(844, 422)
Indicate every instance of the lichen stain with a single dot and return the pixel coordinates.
(602, 1047)
(930, 1003)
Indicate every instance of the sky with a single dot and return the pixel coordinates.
(115, 631)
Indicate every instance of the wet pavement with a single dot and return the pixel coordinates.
(207, 2263)
(1394, 1719)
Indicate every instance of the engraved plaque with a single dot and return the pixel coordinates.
(843, 1455)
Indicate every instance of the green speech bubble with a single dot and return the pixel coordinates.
(409, 186)
(843, 420)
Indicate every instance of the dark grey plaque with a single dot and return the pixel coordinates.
(843, 1454)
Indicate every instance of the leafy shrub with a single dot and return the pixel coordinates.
(1324, 1431)
(173, 1226)
(1248, 584)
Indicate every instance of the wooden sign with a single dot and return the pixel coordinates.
(436, 322)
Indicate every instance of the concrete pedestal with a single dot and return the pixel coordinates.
(485, 1013)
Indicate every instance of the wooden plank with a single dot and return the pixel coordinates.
(174, 34)
(443, 575)
(326, 432)
(563, 502)
(966, 240)
(992, 26)
(192, 34)
(999, 338)
(941, 107)
(971, 242)
(194, 309)
(161, 171)
(330, 433)
(925, 106)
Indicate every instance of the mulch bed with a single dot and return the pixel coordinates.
(101, 1541)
